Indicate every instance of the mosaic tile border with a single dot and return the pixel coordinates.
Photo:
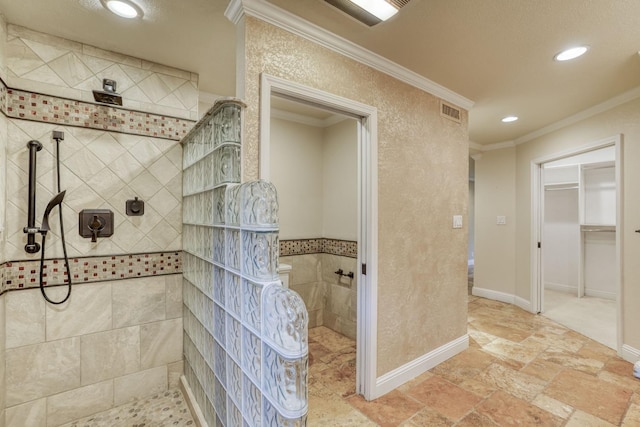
(26, 274)
(346, 248)
(26, 105)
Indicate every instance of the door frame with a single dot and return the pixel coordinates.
(537, 224)
(367, 117)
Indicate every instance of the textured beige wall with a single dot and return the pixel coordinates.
(422, 183)
(495, 191)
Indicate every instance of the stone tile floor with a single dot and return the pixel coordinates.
(167, 409)
(520, 369)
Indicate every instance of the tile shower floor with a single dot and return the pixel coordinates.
(520, 369)
(167, 409)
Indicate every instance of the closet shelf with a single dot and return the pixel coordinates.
(597, 228)
(562, 186)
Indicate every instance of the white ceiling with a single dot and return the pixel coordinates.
(497, 53)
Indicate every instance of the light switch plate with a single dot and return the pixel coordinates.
(457, 221)
(501, 220)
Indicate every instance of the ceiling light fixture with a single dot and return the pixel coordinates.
(123, 8)
(509, 119)
(378, 8)
(369, 12)
(572, 53)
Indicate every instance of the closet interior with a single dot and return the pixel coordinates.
(579, 243)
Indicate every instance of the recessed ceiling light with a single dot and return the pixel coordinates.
(378, 8)
(509, 119)
(572, 53)
(123, 8)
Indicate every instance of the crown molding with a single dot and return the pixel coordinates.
(274, 15)
(616, 101)
(234, 11)
(498, 146)
(623, 98)
(475, 146)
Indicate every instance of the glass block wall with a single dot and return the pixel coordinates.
(245, 335)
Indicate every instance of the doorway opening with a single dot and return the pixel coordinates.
(320, 152)
(314, 158)
(579, 261)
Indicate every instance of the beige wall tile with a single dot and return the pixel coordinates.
(331, 263)
(32, 413)
(340, 302)
(316, 318)
(305, 269)
(88, 310)
(2, 350)
(339, 324)
(3, 49)
(110, 354)
(25, 321)
(45, 39)
(40, 370)
(78, 403)
(313, 294)
(140, 384)
(126, 157)
(160, 343)
(175, 371)
(138, 301)
(38, 58)
(173, 289)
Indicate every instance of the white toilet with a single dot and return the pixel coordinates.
(283, 272)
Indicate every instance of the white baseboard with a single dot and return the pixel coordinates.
(561, 287)
(502, 297)
(392, 380)
(523, 304)
(494, 295)
(630, 354)
(600, 294)
(190, 399)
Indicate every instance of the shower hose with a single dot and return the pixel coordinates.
(64, 243)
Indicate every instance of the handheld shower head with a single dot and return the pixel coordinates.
(52, 204)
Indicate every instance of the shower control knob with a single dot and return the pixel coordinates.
(95, 223)
(135, 207)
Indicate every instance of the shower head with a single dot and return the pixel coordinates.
(108, 95)
(52, 204)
